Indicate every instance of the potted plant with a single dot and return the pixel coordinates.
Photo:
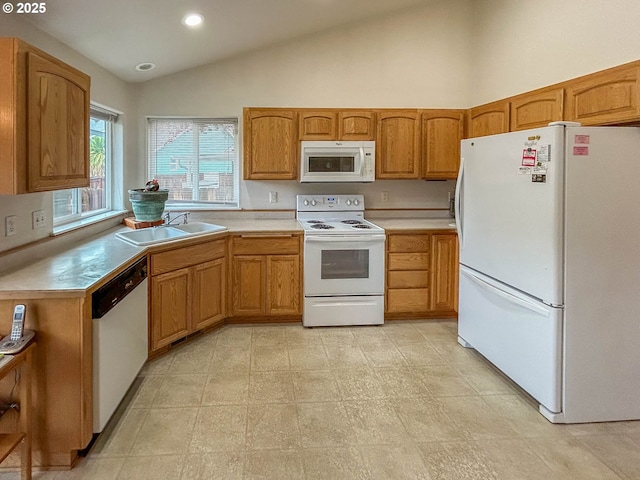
(148, 202)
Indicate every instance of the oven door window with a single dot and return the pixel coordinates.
(331, 164)
(344, 264)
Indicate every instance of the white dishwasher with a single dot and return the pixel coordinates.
(120, 339)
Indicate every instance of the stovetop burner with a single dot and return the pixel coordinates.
(361, 225)
(321, 226)
(352, 222)
(314, 221)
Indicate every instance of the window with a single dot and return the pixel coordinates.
(196, 160)
(77, 203)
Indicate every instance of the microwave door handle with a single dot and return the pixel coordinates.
(362, 160)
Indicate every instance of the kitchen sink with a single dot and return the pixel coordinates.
(151, 236)
(200, 227)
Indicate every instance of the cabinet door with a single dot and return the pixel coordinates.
(270, 144)
(209, 293)
(489, 119)
(444, 272)
(249, 284)
(608, 97)
(398, 144)
(442, 131)
(283, 285)
(356, 125)
(58, 125)
(537, 109)
(170, 307)
(318, 125)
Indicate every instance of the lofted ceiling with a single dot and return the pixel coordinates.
(120, 34)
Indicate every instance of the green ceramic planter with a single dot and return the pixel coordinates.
(148, 206)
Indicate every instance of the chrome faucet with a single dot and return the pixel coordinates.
(172, 221)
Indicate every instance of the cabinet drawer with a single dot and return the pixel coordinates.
(407, 300)
(266, 244)
(408, 279)
(408, 261)
(409, 243)
(186, 256)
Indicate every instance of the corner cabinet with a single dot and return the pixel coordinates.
(270, 144)
(266, 275)
(422, 277)
(188, 291)
(44, 144)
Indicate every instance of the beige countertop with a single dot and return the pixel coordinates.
(415, 223)
(80, 268)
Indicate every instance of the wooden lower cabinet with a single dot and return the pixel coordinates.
(188, 291)
(267, 272)
(421, 274)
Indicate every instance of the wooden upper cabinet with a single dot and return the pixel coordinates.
(398, 144)
(604, 98)
(537, 108)
(442, 131)
(318, 125)
(356, 125)
(489, 119)
(45, 104)
(270, 144)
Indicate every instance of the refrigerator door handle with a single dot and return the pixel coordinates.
(458, 202)
(512, 298)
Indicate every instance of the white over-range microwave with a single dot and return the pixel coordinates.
(334, 161)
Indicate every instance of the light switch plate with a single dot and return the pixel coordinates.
(38, 219)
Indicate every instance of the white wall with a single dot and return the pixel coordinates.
(106, 89)
(417, 58)
(521, 45)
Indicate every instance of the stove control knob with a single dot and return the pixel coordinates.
(356, 202)
(348, 202)
(306, 203)
(313, 203)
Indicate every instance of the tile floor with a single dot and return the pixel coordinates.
(400, 401)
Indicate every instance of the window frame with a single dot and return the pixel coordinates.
(181, 205)
(110, 118)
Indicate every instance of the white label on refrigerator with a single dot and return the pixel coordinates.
(524, 171)
(529, 157)
(544, 153)
(539, 169)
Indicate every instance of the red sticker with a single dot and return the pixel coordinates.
(580, 151)
(582, 139)
(528, 157)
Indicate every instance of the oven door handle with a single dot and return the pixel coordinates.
(344, 238)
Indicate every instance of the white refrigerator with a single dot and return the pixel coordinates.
(549, 229)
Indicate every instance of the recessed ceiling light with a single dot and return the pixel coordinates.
(145, 67)
(192, 19)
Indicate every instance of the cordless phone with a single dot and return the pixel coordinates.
(17, 327)
(19, 337)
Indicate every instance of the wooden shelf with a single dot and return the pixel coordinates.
(10, 441)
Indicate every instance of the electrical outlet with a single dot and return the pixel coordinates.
(10, 225)
(384, 197)
(38, 219)
(273, 197)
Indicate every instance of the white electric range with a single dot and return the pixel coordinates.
(343, 262)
